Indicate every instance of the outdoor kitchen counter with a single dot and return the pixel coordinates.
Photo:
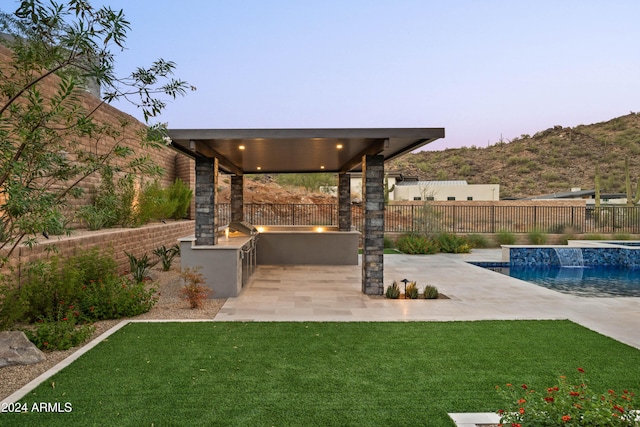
(307, 245)
(227, 265)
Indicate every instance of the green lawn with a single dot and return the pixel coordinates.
(320, 374)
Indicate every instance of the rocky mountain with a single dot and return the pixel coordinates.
(553, 160)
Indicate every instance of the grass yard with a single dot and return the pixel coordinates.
(320, 374)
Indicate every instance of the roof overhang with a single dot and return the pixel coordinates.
(241, 151)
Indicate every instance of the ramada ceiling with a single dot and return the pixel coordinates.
(241, 151)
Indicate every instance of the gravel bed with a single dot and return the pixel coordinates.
(169, 306)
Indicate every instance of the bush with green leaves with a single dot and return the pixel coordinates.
(569, 402)
(388, 242)
(416, 244)
(412, 290)
(478, 241)
(430, 292)
(139, 267)
(182, 195)
(537, 237)
(167, 255)
(393, 291)
(85, 287)
(453, 244)
(153, 203)
(506, 238)
(50, 335)
(114, 298)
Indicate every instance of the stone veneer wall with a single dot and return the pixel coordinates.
(137, 241)
(373, 229)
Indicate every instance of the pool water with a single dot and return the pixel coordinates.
(588, 281)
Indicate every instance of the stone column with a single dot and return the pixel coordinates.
(373, 239)
(206, 201)
(237, 198)
(344, 202)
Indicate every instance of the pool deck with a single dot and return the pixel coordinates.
(333, 293)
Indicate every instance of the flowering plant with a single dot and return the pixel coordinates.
(566, 404)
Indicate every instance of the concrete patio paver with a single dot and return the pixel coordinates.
(333, 293)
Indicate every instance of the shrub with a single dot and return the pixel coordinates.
(167, 255)
(566, 404)
(453, 244)
(114, 298)
(593, 237)
(430, 292)
(506, 238)
(621, 236)
(393, 291)
(389, 243)
(85, 287)
(416, 244)
(537, 237)
(412, 290)
(182, 195)
(96, 218)
(193, 291)
(58, 334)
(478, 241)
(94, 264)
(139, 267)
(154, 204)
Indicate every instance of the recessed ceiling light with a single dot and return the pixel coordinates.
(339, 146)
(259, 168)
(241, 147)
(322, 167)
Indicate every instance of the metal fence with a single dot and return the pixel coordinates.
(455, 218)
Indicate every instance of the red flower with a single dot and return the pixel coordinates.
(516, 425)
(566, 418)
(509, 385)
(65, 319)
(548, 399)
(574, 393)
(524, 386)
(522, 401)
(611, 391)
(618, 408)
(581, 370)
(521, 410)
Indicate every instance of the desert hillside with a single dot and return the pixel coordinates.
(553, 160)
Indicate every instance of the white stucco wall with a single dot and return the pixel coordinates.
(444, 192)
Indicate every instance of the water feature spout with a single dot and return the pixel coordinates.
(570, 257)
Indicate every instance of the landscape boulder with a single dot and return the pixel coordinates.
(16, 349)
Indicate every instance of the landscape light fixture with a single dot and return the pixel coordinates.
(405, 281)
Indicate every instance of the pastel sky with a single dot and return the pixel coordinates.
(482, 69)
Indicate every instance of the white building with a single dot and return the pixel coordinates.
(445, 190)
(402, 188)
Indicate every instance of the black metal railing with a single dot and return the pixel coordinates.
(454, 218)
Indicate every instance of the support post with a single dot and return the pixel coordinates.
(206, 201)
(373, 240)
(237, 198)
(344, 202)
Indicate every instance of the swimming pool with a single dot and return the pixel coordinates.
(589, 281)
